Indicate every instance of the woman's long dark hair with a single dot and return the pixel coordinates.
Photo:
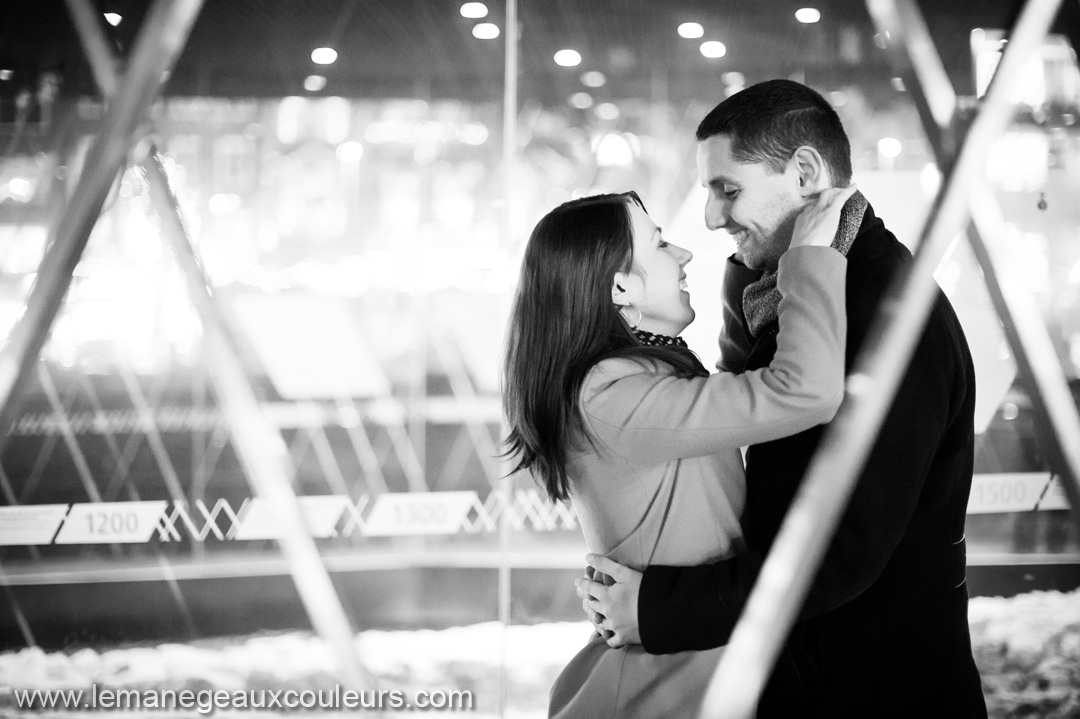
(563, 322)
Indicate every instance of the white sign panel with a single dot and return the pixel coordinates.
(418, 513)
(1014, 492)
(310, 346)
(321, 514)
(111, 522)
(32, 524)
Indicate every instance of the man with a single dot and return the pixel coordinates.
(884, 629)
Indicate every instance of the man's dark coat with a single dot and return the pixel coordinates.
(884, 631)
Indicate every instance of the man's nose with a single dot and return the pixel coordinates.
(685, 256)
(716, 214)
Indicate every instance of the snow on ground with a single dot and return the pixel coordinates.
(1028, 651)
(459, 658)
(1027, 647)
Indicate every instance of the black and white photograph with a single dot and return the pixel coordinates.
(540, 359)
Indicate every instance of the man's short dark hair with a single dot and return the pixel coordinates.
(768, 121)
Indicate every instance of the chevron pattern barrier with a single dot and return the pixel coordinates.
(327, 516)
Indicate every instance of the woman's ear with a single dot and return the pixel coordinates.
(811, 171)
(619, 295)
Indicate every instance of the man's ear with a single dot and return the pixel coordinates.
(619, 283)
(811, 171)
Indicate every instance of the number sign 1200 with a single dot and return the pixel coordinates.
(105, 523)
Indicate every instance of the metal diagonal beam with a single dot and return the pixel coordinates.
(133, 493)
(912, 54)
(159, 44)
(110, 440)
(199, 439)
(121, 473)
(178, 596)
(453, 469)
(298, 449)
(207, 463)
(6, 488)
(82, 467)
(361, 445)
(408, 455)
(324, 453)
(153, 436)
(20, 618)
(260, 446)
(96, 46)
(809, 526)
(486, 451)
(37, 471)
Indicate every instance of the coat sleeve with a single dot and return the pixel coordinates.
(653, 418)
(691, 608)
(682, 608)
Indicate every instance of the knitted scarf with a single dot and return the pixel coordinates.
(648, 338)
(761, 299)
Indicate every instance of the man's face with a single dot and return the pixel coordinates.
(755, 205)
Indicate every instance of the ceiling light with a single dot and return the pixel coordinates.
(6, 74)
(713, 49)
(808, 15)
(568, 58)
(474, 10)
(485, 30)
(889, 147)
(113, 18)
(614, 150)
(350, 151)
(607, 111)
(20, 188)
(733, 78)
(314, 83)
(323, 55)
(691, 30)
(898, 84)
(593, 78)
(581, 100)
(474, 133)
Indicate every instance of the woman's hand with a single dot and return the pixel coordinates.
(816, 225)
(611, 607)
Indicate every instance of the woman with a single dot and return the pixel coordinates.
(609, 409)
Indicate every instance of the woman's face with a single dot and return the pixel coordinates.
(656, 283)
